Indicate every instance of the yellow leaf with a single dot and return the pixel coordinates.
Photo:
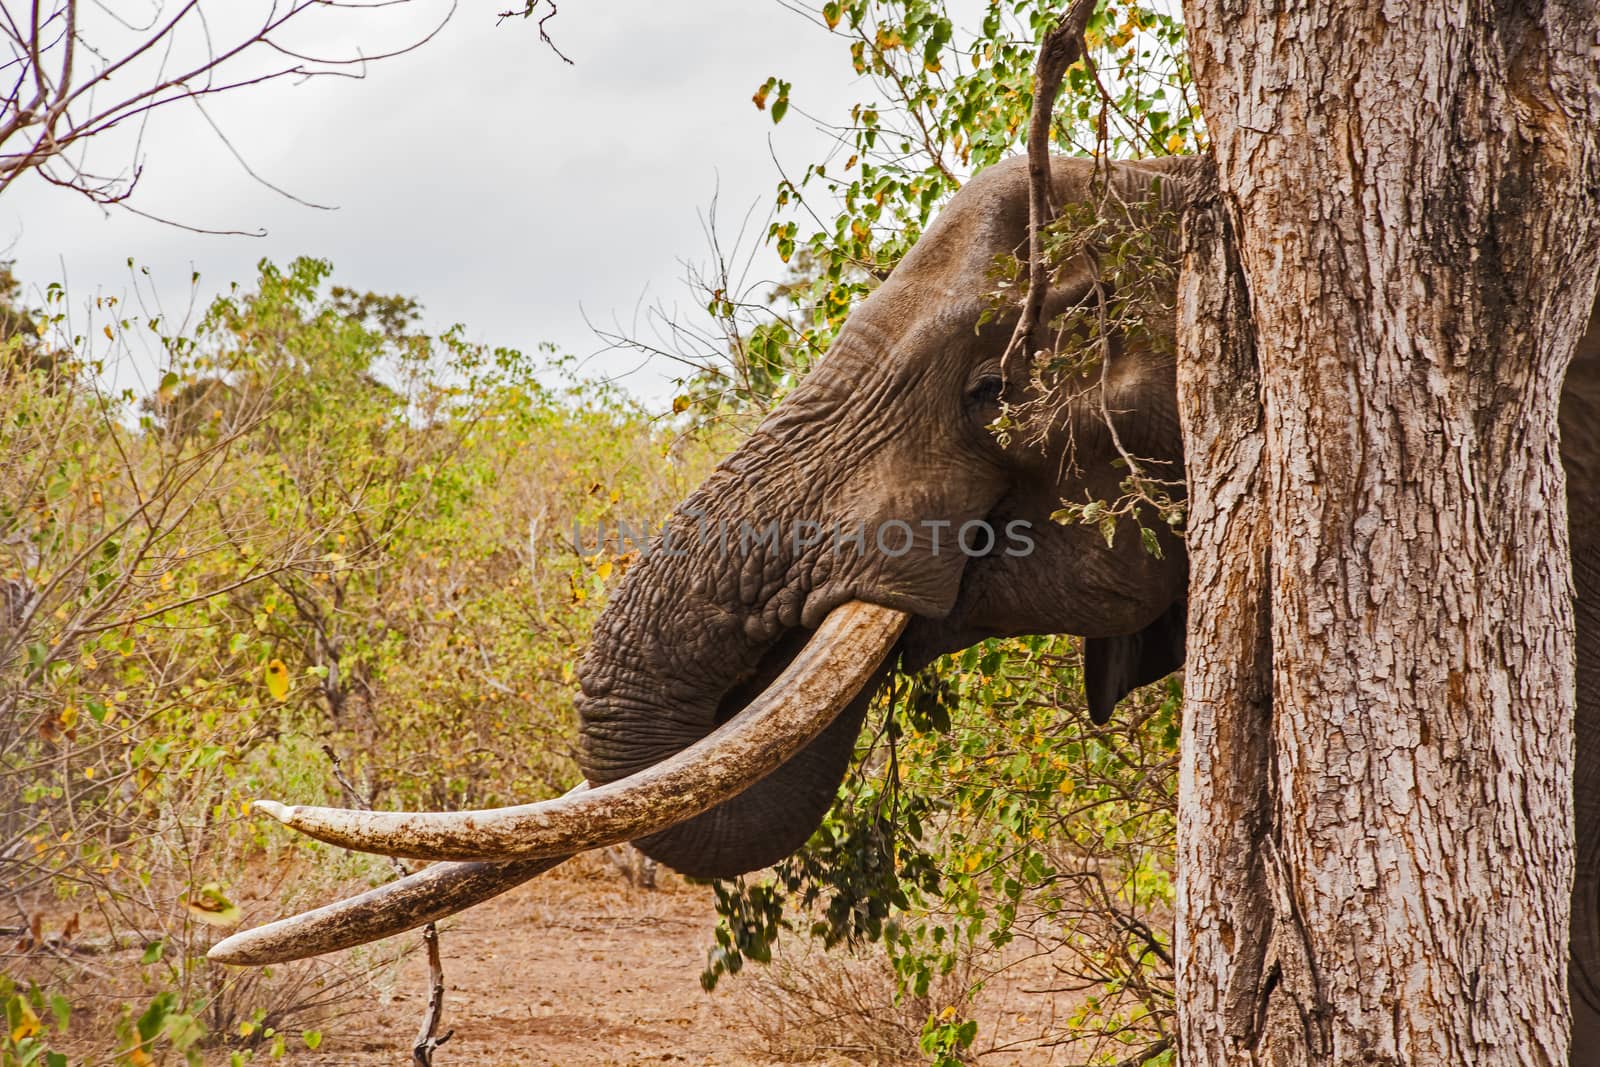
(680, 404)
(604, 570)
(212, 908)
(108, 333)
(1175, 143)
(137, 1057)
(27, 1021)
(278, 680)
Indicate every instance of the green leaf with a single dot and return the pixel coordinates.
(1152, 546)
(209, 906)
(1108, 528)
(155, 1016)
(61, 1008)
(780, 106)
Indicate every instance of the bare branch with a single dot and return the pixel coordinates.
(528, 11)
(1062, 47)
(71, 104)
(1146, 1054)
(427, 1041)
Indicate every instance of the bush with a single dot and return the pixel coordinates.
(323, 532)
(991, 825)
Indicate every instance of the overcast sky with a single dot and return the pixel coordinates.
(501, 187)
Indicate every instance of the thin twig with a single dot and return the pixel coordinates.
(72, 105)
(422, 1050)
(1148, 1053)
(528, 11)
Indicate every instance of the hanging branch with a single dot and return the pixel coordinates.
(1062, 47)
(531, 8)
(423, 1048)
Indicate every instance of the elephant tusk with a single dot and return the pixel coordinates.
(838, 660)
(413, 901)
(393, 908)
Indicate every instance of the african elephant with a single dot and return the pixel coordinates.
(891, 428)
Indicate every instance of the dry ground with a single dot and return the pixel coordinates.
(581, 969)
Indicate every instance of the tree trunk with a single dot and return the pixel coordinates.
(1379, 305)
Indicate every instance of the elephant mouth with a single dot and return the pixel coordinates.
(794, 695)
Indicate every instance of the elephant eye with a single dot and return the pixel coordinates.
(985, 390)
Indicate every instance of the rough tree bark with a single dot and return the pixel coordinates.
(1379, 304)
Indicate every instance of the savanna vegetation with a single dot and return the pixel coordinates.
(324, 543)
(324, 538)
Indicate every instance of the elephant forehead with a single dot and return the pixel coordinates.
(986, 219)
(955, 261)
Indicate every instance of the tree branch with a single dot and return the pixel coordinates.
(70, 104)
(1146, 1054)
(1062, 47)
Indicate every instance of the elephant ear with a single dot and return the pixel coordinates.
(1113, 667)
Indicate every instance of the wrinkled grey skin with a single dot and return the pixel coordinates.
(891, 425)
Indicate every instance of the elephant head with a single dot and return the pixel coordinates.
(876, 496)
(885, 484)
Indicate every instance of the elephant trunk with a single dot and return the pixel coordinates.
(685, 643)
(772, 818)
(507, 846)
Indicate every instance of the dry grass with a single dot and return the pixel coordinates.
(812, 1004)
